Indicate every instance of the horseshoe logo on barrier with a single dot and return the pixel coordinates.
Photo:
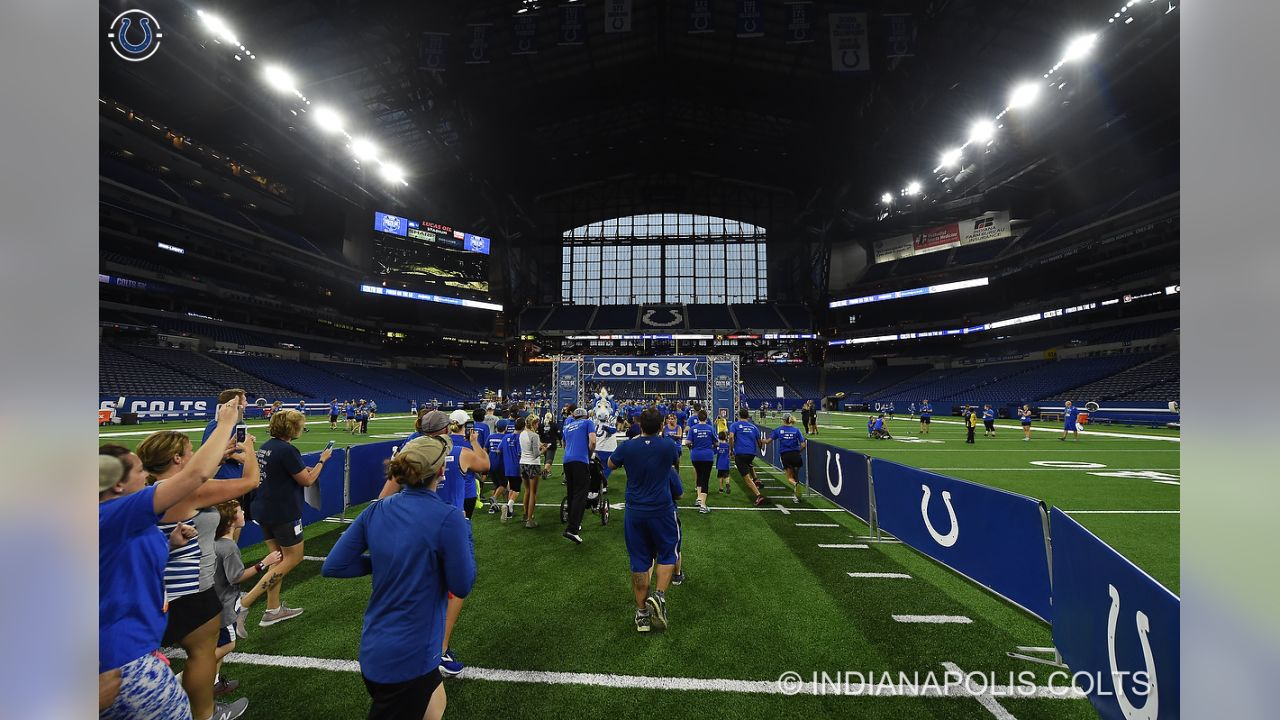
(838, 484)
(1152, 708)
(952, 535)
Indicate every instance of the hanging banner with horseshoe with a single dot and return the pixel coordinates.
(1116, 625)
(573, 25)
(993, 537)
(849, 48)
(750, 22)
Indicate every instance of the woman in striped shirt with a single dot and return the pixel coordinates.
(194, 608)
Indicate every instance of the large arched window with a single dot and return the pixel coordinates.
(666, 258)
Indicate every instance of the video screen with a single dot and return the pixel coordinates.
(424, 252)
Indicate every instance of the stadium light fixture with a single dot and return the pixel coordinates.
(363, 150)
(982, 131)
(887, 198)
(950, 157)
(1024, 94)
(1079, 47)
(392, 173)
(913, 188)
(328, 119)
(280, 79)
(219, 27)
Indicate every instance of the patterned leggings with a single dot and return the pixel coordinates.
(148, 691)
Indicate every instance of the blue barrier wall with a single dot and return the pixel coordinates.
(840, 476)
(991, 536)
(331, 482)
(368, 473)
(1114, 622)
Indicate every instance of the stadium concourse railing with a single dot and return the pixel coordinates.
(1111, 622)
(1113, 626)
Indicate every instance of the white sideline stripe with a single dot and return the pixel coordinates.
(817, 525)
(843, 546)
(1109, 469)
(784, 510)
(872, 539)
(348, 521)
(718, 508)
(888, 575)
(643, 682)
(933, 619)
(984, 698)
(317, 558)
(200, 429)
(1123, 512)
(1099, 433)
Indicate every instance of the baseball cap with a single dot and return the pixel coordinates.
(429, 453)
(788, 416)
(110, 470)
(433, 422)
(580, 412)
(459, 416)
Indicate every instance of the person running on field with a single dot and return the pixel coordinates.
(926, 416)
(579, 444)
(511, 465)
(649, 524)
(701, 439)
(1024, 417)
(722, 462)
(673, 432)
(333, 414)
(531, 450)
(744, 436)
(497, 473)
(791, 446)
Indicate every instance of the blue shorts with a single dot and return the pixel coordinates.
(650, 537)
(1070, 426)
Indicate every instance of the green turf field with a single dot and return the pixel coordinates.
(547, 629)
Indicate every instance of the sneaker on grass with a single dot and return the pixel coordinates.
(224, 686)
(657, 604)
(230, 711)
(280, 614)
(575, 537)
(449, 664)
(241, 616)
(677, 578)
(760, 500)
(703, 509)
(642, 621)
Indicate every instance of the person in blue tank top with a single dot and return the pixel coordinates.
(351, 416)
(791, 445)
(482, 432)
(722, 461)
(701, 439)
(744, 439)
(467, 456)
(1024, 417)
(682, 416)
(673, 432)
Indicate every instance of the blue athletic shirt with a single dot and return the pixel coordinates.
(422, 548)
(702, 439)
(229, 469)
(647, 461)
(577, 447)
(511, 454)
(746, 438)
(682, 418)
(988, 414)
(351, 412)
(453, 488)
(482, 434)
(1025, 416)
(788, 438)
(722, 455)
(494, 445)
(926, 410)
(1069, 415)
(333, 408)
(131, 557)
(878, 424)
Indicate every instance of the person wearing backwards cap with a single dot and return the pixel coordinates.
(579, 443)
(422, 549)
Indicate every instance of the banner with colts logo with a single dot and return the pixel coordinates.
(722, 390)
(849, 48)
(840, 476)
(993, 537)
(750, 23)
(524, 34)
(617, 16)
(799, 22)
(1114, 622)
(477, 44)
(700, 17)
(573, 25)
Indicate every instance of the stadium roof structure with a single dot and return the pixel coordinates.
(653, 119)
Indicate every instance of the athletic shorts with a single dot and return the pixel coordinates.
(989, 424)
(650, 537)
(188, 613)
(226, 635)
(549, 457)
(792, 459)
(513, 483)
(702, 474)
(468, 507)
(1026, 423)
(333, 418)
(406, 700)
(285, 534)
(530, 472)
(499, 480)
(722, 472)
(924, 419)
(1071, 427)
(744, 463)
(149, 689)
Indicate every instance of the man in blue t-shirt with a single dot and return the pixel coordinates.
(988, 421)
(579, 443)
(744, 437)
(229, 469)
(649, 524)
(333, 414)
(496, 471)
(701, 440)
(1069, 416)
(791, 446)
(926, 416)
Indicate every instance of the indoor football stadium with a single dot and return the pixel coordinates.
(639, 358)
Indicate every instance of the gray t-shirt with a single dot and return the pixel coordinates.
(229, 568)
(207, 525)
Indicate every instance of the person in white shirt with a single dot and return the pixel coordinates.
(531, 449)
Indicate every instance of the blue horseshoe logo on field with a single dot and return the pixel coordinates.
(1152, 709)
(118, 35)
(952, 535)
(838, 484)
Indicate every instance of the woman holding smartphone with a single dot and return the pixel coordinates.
(277, 508)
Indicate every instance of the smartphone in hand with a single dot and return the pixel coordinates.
(330, 445)
(242, 432)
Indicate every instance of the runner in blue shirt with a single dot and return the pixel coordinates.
(988, 421)
(1069, 415)
(926, 415)
(791, 445)
(701, 440)
(351, 417)
(649, 524)
(333, 414)
(673, 432)
(1024, 416)
(579, 443)
(722, 462)
(744, 437)
(511, 465)
(496, 471)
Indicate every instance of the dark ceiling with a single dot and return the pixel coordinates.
(655, 105)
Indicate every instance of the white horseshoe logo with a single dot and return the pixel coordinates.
(954, 534)
(1152, 708)
(676, 318)
(839, 484)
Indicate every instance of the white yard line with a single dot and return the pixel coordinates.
(1123, 512)
(843, 546)
(934, 619)
(985, 697)
(255, 426)
(783, 509)
(886, 575)
(1098, 433)
(771, 686)
(817, 525)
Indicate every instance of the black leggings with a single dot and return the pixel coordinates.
(702, 471)
(468, 507)
(577, 478)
